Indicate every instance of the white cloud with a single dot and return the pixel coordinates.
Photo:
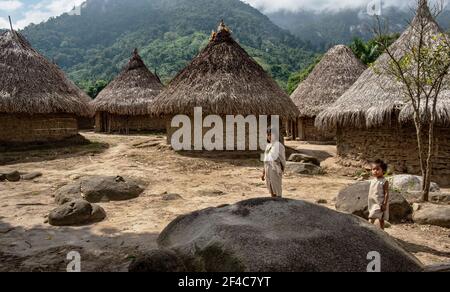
(42, 11)
(10, 5)
(321, 5)
(3, 23)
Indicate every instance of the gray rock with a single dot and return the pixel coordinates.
(298, 157)
(98, 214)
(431, 214)
(303, 168)
(354, 200)
(95, 189)
(157, 261)
(439, 268)
(68, 193)
(437, 197)
(105, 189)
(13, 176)
(280, 235)
(409, 183)
(31, 176)
(171, 197)
(76, 213)
(211, 193)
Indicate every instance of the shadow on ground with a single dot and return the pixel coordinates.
(36, 153)
(110, 252)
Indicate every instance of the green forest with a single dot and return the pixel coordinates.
(92, 48)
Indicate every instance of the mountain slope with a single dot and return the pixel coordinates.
(169, 33)
(325, 29)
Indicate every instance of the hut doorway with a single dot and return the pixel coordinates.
(105, 125)
(301, 130)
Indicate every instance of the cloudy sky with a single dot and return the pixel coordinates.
(24, 12)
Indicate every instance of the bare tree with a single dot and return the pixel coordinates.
(421, 68)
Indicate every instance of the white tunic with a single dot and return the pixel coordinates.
(274, 165)
(376, 199)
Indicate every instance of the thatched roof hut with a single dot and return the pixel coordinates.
(374, 118)
(30, 84)
(125, 104)
(38, 104)
(131, 93)
(338, 69)
(224, 80)
(333, 75)
(375, 97)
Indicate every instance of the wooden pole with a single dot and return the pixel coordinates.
(10, 23)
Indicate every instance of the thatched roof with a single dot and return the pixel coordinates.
(132, 92)
(376, 97)
(335, 73)
(31, 84)
(224, 80)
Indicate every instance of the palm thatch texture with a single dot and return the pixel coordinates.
(376, 98)
(30, 84)
(224, 80)
(132, 92)
(331, 77)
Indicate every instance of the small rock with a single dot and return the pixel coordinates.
(303, 168)
(31, 176)
(212, 193)
(171, 197)
(76, 213)
(431, 214)
(98, 213)
(13, 176)
(302, 158)
(322, 202)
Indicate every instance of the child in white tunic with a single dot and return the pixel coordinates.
(379, 194)
(274, 164)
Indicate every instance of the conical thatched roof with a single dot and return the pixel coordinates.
(131, 92)
(376, 97)
(334, 74)
(31, 84)
(224, 80)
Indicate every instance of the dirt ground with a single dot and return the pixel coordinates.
(29, 244)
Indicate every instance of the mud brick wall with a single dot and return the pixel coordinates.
(36, 128)
(311, 133)
(237, 140)
(120, 124)
(398, 147)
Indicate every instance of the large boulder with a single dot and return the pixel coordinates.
(303, 168)
(298, 157)
(354, 200)
(163, 261)
(76, 213)
(280, 235)
(431, 214)
(95, 189)
(409, 183)
(437, 197)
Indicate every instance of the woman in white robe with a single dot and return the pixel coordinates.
(274, 164)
